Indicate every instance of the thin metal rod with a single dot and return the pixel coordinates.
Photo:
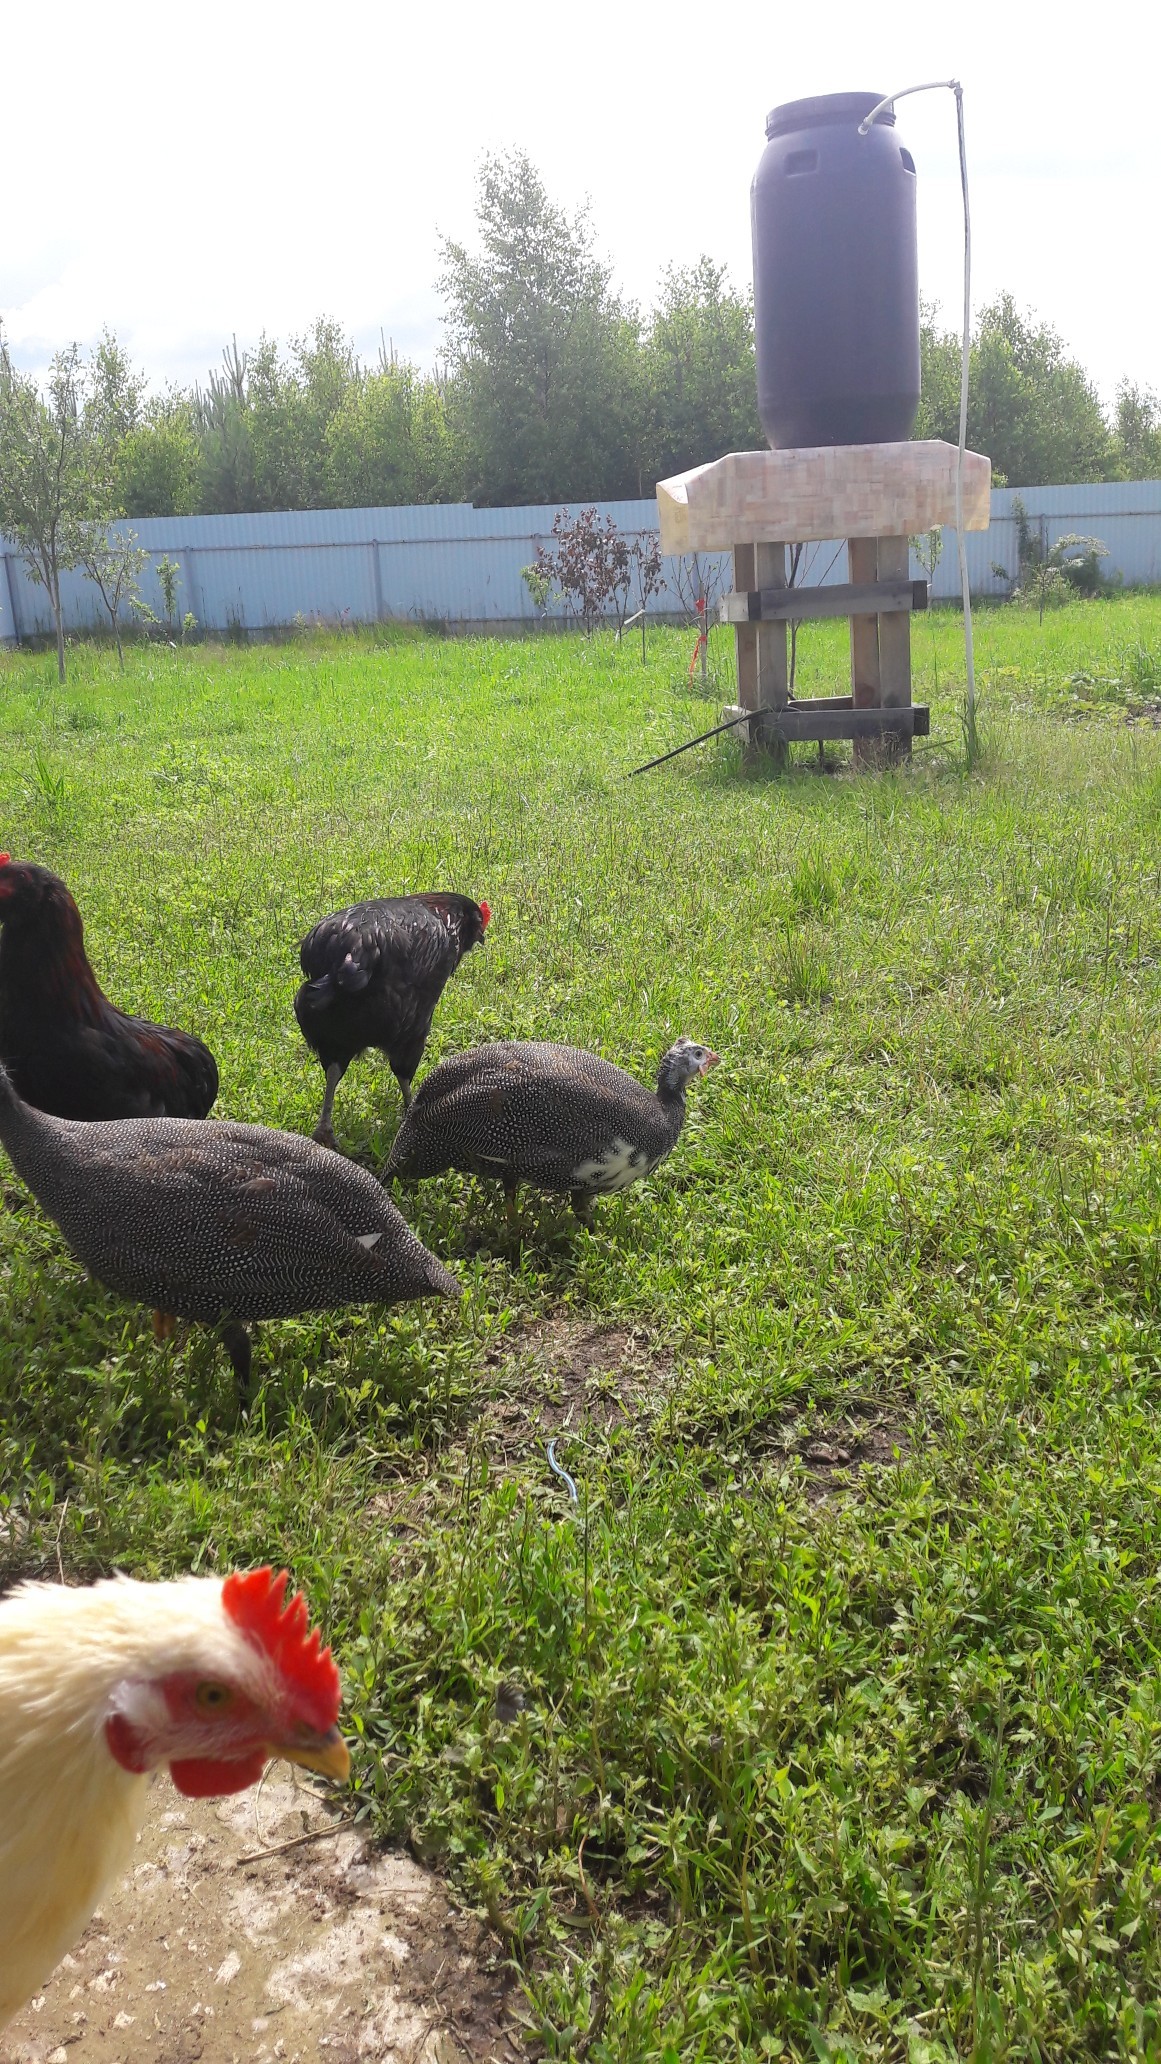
(730, 724)
(965, 363)
(954, 86)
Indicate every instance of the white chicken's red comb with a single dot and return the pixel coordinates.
(254, 1602)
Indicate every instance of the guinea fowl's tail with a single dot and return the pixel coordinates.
(425, 1275)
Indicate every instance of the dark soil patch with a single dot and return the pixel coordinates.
(836, 1457)
(562, 1373)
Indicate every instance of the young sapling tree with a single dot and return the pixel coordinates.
(114, 566)
(646, 556)
(55, 476)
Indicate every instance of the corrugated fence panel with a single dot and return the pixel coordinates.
(455, 564)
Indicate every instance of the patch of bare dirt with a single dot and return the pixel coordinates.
(834, 1458)
(602, 1376)
(839, 1456)
(335, 1951)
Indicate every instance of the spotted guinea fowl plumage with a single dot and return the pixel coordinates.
(67, 1048)
(552, 1116)
(375, 973)
(218, 1222)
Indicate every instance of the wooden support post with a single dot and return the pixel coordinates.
(863, 563)
(761, 647)
(894, 642)
(773, 675)
(746, 635)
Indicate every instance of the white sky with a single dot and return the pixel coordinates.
(185, 172)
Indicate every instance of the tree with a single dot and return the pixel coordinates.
(391, 440)
(591, 567)
(159, 462)
(702, 377)
(645, 554)
(114, 566)
(1138, 421)
(55, 485)
(939, 378)
(222, 427)
(1033, 409)
(544, 356)
(116, 393)
(290, 404)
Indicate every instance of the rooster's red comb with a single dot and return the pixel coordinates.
(485, 913)
(5, 859)
(254, 1602)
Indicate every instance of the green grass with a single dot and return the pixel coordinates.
(817, 1759)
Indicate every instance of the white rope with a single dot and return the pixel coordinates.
(953, 86)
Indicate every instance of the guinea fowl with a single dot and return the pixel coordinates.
(219, 1223)
(69, 1050)
(374, 974)
(552, 1116)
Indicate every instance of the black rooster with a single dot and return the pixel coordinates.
(68, 1050)
(374, 974)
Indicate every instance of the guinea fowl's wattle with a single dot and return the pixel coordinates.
(552, 1116)
(218, 1222)
(375, 973)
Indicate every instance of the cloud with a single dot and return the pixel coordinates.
(231, 171)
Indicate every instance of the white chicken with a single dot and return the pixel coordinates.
(103, 1685)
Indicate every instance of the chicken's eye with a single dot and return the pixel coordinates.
(212, 1698)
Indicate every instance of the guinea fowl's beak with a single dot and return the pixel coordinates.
(326, 1753)
(711, 1060)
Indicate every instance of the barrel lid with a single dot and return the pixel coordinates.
(826, 107)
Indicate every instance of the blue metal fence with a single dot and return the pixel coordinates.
(460, 566)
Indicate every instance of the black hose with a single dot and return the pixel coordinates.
(731, 723)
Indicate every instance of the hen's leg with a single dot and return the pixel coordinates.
(236, 1342)
(405, 1090)
(324, 1131)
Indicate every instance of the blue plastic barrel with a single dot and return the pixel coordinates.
(836, 276)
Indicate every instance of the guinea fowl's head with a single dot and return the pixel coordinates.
(212, 1679)
(34, 901)
(684, 1060)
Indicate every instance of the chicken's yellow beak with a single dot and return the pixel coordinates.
(326, 1753)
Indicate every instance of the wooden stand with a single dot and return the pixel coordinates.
(874, 496)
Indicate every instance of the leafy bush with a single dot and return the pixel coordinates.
(590, 567)
(1049, 574)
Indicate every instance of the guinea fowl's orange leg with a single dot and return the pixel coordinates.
(164, 1325)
